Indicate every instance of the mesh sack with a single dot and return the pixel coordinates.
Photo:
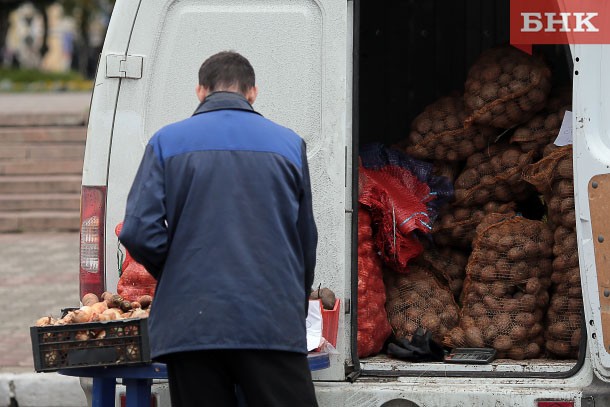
(553, 177)
(456, 225)
(134, 281)
(505, 292)
(439, 133)
(543, 128)
(373, 325)
(397, 201)
(376, 155)
(564, 316)
(417, 300)
(493, 175)
(448, 265)
(505, 87)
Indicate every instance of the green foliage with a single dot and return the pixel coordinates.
(18, 80)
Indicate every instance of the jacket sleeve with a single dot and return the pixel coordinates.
(144, 232)
(306, 225)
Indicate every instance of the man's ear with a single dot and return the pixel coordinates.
(252, 94)
(201, 92)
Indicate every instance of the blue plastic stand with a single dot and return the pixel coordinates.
(138, 380)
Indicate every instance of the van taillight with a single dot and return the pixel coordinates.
(549, 403)
(92, 218)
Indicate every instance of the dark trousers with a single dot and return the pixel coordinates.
(220, 378)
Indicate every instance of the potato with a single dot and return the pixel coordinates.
(503, 343)
(474, 337)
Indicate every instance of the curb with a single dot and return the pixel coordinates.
(41, 390)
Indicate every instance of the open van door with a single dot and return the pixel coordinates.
(298, 49)
(591, 129)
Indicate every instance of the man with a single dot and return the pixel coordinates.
(220, 214)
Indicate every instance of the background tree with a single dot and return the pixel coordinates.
(6, 7)
(84, 11)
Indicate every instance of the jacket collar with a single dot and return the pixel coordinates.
(224, 100)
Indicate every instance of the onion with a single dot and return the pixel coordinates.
(84, 314)
(89, 299)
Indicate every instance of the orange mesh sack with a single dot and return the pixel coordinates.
(373, 325)
(553, 177)
(417, 300)
(493, 175)
(505, 292)
(448, 265)
(543, 128)
(505, 87)
(397, 202)
(456, 225)
(135, 281)
(564, 316)
(439, 133)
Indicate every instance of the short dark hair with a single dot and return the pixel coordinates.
(226, 69)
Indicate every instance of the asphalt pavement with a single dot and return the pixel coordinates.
(38, 277)
(38, 273)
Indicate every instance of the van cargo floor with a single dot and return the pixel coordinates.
(382, 363)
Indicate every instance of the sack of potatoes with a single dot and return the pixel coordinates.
(505, 293)
(505, 87)
(439, 133)
(415, 300)
(493, 175)
(542, 129)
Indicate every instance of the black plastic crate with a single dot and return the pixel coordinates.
(104, 343)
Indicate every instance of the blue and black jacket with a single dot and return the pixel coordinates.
(220, 214)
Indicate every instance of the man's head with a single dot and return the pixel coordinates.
(227, 71)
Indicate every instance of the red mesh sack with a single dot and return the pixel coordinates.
(542, 129)
(397, 202)
(439, 133)
(505, 87)
(493, 175)
(553, 177)
(505, 293)
(564, 316)
(417, 300)
(135, 281)
(373, 325)
(456, 225)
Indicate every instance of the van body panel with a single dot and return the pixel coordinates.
(298, 51)
(591, 130)
(454, 391)
(105, 93)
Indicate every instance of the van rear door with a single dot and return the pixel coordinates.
(97, 152)
(299, 52)
(591, 129)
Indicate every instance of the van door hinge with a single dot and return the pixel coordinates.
(124, 66)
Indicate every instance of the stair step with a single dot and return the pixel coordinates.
(29, 184)
(31, 167)
(40, 202)
(44, 109)
(41, 151)
(39, 221)
(43, 134)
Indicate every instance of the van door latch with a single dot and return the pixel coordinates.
(124, 66)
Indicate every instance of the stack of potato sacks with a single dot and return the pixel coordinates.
(554, 179)
(516, 280)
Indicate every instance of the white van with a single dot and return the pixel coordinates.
(342, 73)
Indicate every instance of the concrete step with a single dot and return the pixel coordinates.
(43, 134)
(40, 202)
(41, 151)
(44, 109)
(45, 167)
(39, 184)
(39, 221)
